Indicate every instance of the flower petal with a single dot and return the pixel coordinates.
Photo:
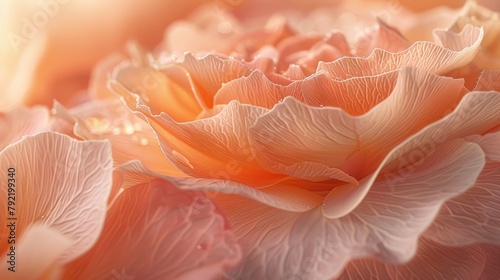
(492, 262)
(258, 90)
(130, 136)
(281, 195)
(385, 226)
(382, 37)
(38, 240)
(168, 233)
(211, 146)
(20, 122)
(489, 80)
(356, 96)
(474, 216)
(60, 183)
(209, 73)
(455, 53)
(476, 114)
(168, 90)
(293, 132)
(432, 261)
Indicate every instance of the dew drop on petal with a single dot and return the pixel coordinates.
(129, 129)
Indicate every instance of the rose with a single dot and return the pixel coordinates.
(351, 161)
(382, 182)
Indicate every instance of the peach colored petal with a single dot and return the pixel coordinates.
(293, 132)
(293, 48)
(489, 80)
(294, 72)
(40, 248)
(281, 195)
(420, 26)
(489, 144)
(209, 147)
(492, 262)
(130, 136)
(356, 96)
(477, 15)
(432, 261)
(258, 90)
(471, 217)
(386, 225)
(456, 51)
(418, 99)
(22, 121)
(333, 46)
(383, 37)
(60, 183)
(477, 113)
(209, 73)
(176, 235)
(169, 90)
(315, 172)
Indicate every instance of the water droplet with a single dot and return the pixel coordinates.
(144, 141)
(129, 129)
(281, 100)
(321, 106)
(201, 247)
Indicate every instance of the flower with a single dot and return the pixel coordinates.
(334, 157)
(290, 147)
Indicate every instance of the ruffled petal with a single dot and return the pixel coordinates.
(492, 262)
(156, 231)
(474, 217)
(455, 51)
(489, 80)
(385, 226)
(257, 90)
(170, 90)
(38, 240)
(356, 96)
(210, 72)
(281, 195)
(60, 183)
(211, 146)
(432, 261)
(293, 132)
(130, 136)
(382, 37)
